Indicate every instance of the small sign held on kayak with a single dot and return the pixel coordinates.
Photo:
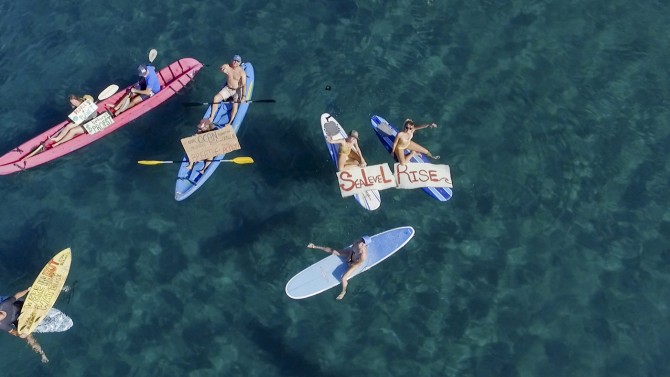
(83, 111)
(359, 180)
(210, 144)
(418, 175)
(98, 123)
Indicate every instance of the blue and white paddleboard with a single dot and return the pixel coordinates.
(386, 134)
(370, 199)
(327, 273)
(188, 181)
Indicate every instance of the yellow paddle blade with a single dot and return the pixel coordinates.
(242, 160)
(153, 162)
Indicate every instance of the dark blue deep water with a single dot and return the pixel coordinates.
(551, 259)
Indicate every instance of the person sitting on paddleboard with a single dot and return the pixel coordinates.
(205, 125)
(350, 154)
(355, 256)
(235, 88)
(10, 308)
(144, 89)
(69, 131)
(403, 140)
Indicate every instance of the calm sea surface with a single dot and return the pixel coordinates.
(551, 259)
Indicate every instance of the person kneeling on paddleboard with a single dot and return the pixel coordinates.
(354, 256)
(10, 308)
(403, 141)
(349, 154)
(144, 89)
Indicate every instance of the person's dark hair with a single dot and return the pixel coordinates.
(205, 125)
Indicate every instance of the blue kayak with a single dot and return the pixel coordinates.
(440, 193)
(327, 273)
(189, 181)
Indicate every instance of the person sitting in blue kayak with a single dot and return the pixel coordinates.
(235, 88)
(349, 153)
(10, 308)
(355, 256)
(403, 141)
(148, 86)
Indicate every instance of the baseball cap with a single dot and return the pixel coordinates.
(237, 58)
(367, 240)
(142, 70)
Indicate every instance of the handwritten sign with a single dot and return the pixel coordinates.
(98, 123)
(358, 180)
(415, 175)
(83, 111)
(206, 145)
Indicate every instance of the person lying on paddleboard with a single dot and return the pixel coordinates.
(205, 125)
(144, 89)
(69, 131)
(349, 154)
(355, 256)
(235, 88)
(10, 309)
(403, 140)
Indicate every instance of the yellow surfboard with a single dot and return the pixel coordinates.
(44, 292)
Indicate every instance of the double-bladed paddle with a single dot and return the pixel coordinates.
(236, 160)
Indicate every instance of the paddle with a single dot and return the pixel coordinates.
(193, 104)
(236, 160)
(152, 55)
(108, 92)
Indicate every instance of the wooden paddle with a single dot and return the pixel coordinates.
(236, 160)
(108, 92)
(193, 104)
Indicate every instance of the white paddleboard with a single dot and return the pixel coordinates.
(327, 273)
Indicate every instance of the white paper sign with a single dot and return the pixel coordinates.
(98, 123)
(416, 175)
(83, 111)
(358, 180)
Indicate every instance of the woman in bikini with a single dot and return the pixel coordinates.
(69, 131)
(403, 141)
(355, 256)
(349, 154)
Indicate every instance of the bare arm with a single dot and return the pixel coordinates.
(243, 87)
(431, 125)
(18, 295)
(338, 141)
(395, 144)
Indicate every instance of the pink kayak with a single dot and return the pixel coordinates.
(172, 79)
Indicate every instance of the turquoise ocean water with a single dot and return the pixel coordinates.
(550, 260)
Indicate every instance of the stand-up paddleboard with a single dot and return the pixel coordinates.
(370, 199)
(386, 134)
(327, 273)
(44, 292)
(189, 181)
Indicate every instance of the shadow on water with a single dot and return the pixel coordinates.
(280, 354)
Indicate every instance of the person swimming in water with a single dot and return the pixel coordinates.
(349, 154)
(355, 256)
(403, 141)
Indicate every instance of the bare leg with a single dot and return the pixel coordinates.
(345, 279)
(57, 136)
(69, 135)
(215, 106)
(400, 155)
(232, 114)
(36, 347)
(133, 101)
(417, 148)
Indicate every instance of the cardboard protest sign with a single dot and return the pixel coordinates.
(206, 145)
(83, 111)
(98, 123)
(416, 175)
(358, 180)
